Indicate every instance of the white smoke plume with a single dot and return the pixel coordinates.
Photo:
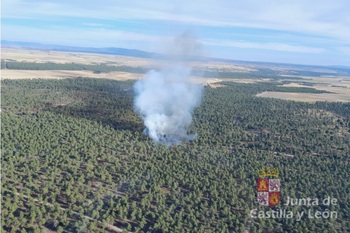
(166, 99)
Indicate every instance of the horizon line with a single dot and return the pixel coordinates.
(146, 54)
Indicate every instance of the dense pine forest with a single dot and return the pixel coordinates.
(74, 159)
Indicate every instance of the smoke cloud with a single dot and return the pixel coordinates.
(165, 99)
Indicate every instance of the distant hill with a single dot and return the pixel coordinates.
(113, 51)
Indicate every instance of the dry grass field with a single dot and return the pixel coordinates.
(23, 55)
(340, 86)
(72, 57)
(306, 97)
(61, 74)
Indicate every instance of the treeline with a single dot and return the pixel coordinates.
(69, 66)
(99, 68)
(300, 90)
(258, 74)
(276, 86)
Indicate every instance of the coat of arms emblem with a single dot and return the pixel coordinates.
(268, 187)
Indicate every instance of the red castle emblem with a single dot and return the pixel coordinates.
(268, 188)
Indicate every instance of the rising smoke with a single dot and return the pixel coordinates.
(165, 99)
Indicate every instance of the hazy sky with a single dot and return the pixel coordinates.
(292, 31)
